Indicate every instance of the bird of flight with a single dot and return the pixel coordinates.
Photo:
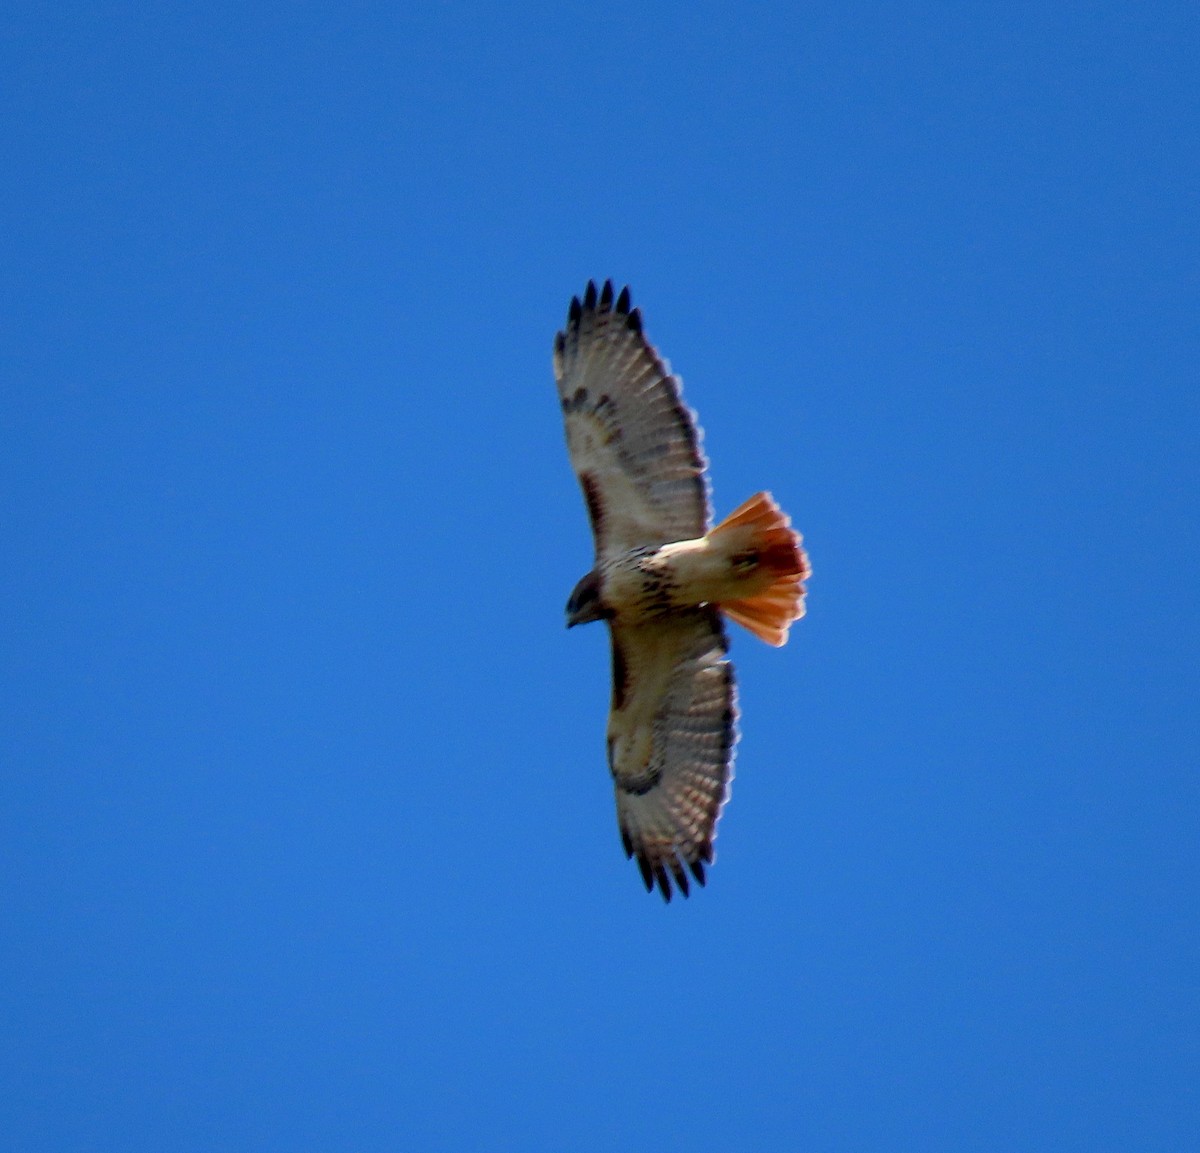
(663, 579)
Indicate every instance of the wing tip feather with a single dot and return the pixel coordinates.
(681, 881)
(664, 884)
(660, 866)
(603, 300)
(646, 871)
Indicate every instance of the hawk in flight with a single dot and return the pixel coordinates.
(663, 579)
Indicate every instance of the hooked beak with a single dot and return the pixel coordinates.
(582, 616)
(585, 605)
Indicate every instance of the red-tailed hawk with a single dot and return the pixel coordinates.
(663, 580)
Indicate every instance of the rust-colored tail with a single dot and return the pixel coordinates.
(763, 544)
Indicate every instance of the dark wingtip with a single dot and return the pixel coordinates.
(664, 885)
(647, 874)
(575, 311)
(560, 342)
(655, 874)
(603, 299)
(681, 881)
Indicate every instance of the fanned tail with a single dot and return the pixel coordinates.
(760, 540)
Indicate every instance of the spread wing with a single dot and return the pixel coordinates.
(671, 734)
(633, 443)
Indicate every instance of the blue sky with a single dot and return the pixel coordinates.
(307, 836)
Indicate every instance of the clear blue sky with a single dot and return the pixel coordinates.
(307, 836)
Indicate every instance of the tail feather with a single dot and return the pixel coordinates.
(759, 534)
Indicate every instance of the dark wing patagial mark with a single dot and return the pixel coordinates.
(620, 674)
(591, 497)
